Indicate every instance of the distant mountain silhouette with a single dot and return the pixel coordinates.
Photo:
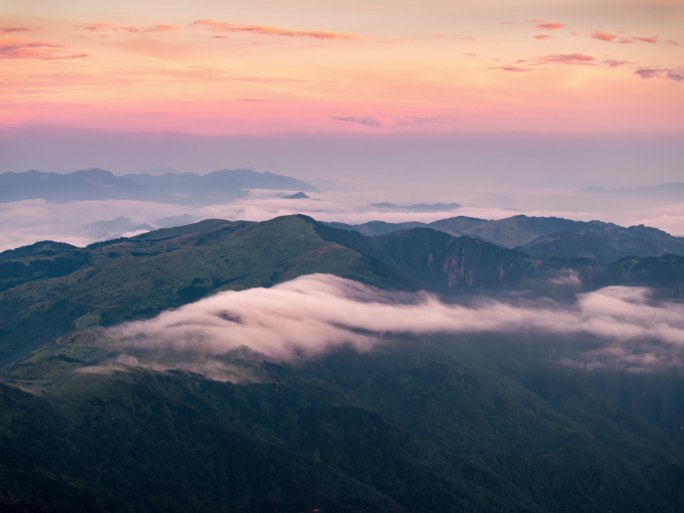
(547, 237)
(183, 188)
(297, 195)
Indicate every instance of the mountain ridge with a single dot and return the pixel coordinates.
(183, 188)
(137, 277)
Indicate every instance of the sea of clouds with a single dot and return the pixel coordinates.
(315, 314)
(29, 221)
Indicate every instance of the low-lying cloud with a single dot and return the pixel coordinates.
(315, 314)
(28, 221)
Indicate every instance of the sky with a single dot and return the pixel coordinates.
(402, 66)
(503, 106)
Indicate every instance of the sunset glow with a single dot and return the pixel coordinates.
(229, 68)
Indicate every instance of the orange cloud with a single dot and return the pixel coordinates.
(541, 37)
(603, 36)
(652, 39)
(35, 50)
(13, 30)
(570, 58)
(551, 26)
(513, 69)
(101, 26)
(609, 38)
(220, 26)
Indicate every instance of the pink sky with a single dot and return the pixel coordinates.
(217, 67)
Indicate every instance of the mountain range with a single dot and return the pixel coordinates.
(547, 237)
(183, 188)
(136, 277)
(482, 422)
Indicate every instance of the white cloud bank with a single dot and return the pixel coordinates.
(29, 221)
(312, 315)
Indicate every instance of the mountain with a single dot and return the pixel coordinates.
(552, 236)
(439, 424)
(41, 260)
(184, 188)
(438, 262)
(216, 186)
(664, 273)
(373, 228)
(132, 278)
(548, 237)
(605, 247)
(113, 228)
(509, 232)
(297, 195)
(138, 277)
(86, 184)
(605, 243)
(481, 422)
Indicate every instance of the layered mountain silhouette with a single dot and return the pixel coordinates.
(137, 277)
(548, 237)
(183, 188)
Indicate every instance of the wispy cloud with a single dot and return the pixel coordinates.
(359, 120)
(541, 37)
(537, 23)
(550, 25)
(104, 27)
(315, 314)
(14, 30)
(394, 121)
(603, 36)
(673, 74)
(514, 69)
(613, 63)
(265, 30)
(35, 50)
(609, 37)
(568, 58)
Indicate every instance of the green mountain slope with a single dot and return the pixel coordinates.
(547, 237)
(139, 277)
(664, 273)
(52, 289)
(438, 424)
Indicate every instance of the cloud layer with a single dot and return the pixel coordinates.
(29, 221)
(312, 315)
